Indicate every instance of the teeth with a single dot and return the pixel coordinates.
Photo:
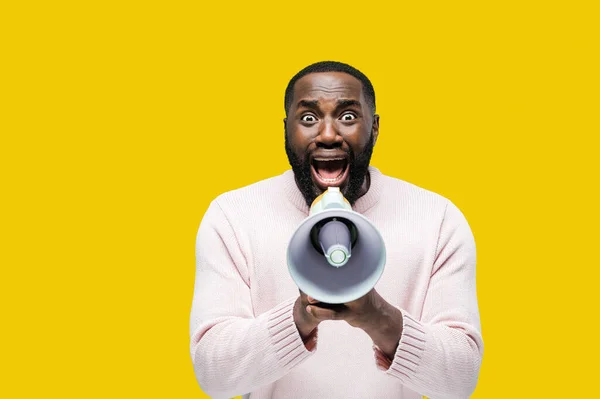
(329, 159)
(331, 180)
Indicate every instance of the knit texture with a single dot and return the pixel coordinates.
(243, 337)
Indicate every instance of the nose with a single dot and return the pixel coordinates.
(329, 136)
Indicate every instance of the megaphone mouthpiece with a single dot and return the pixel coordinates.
(334, 238)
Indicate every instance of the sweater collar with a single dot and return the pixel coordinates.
(365, 202)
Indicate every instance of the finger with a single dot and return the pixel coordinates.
(303, 298)
(382, 361)
(306, 298)
(311, 344)
(324, 313)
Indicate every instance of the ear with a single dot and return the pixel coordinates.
(375, 128)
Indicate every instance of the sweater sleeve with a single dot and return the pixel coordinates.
(233, 351)
(439, 356)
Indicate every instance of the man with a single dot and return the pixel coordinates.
(416, 333)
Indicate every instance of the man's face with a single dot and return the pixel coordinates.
(330, 134)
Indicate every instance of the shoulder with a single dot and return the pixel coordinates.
(420, 203)
(251, 193)
(253, 198)
(409, 194)
(425, 207)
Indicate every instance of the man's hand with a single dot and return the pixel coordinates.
(371, 313)
(305, 321)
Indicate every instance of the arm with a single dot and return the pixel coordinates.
(234, 352)
(439, 355)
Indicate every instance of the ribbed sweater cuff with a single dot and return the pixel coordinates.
(410, 349)
(285, 338)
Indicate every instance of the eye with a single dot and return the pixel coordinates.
(308, 118)
(348, 117)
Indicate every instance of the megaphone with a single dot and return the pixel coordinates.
(336, 255)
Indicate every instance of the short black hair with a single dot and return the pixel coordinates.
(331, 66)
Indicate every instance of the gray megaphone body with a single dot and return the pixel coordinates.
(336, 255)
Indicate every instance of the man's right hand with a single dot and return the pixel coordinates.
(305, 321)
(305, 314)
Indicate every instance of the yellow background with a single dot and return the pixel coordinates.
(120, 121)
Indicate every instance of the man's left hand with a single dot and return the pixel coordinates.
(371, 313)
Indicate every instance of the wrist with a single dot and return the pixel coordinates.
(386, 330)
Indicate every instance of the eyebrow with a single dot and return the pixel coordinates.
(308, 103)
(347, 103)
(342, 103)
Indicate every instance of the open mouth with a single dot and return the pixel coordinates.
(329, 172)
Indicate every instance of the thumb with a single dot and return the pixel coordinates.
(323, 313)
(310, 299)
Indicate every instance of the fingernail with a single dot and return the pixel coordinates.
(308, 309)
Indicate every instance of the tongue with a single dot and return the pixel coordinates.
(330, 169)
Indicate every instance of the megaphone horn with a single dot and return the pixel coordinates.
(336, 255)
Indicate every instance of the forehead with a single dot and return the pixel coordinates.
(328, 85)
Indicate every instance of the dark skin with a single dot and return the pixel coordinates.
(328, 116)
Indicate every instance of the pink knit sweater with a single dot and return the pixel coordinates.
(243, 337)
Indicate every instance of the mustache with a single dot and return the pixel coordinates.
(358, 164)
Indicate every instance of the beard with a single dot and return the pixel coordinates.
(358, 164)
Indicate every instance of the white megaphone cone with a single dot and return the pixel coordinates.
(336, 255)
